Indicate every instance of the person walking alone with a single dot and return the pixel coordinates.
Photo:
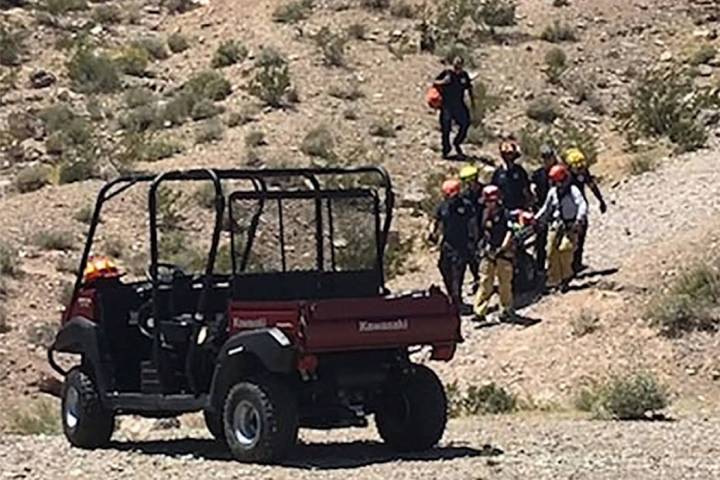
(453, 83)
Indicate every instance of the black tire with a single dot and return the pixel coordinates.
(85, 422)
(214, 424)
(413, 412)
(260, 420)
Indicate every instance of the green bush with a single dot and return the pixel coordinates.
(704, 54)
(12, 46)
(630, 397)
(667, 103)
(77, 169)
(92, 72)
(559, 32)
(61, 7)
(242, 116)
(154, 150)
(154, 46)
(205, 109)
(55, 240)
(397, 253)
(498, 13)
(449, 51)
(84, 214)
(543, 109)
(555, 65)
(293, 11)
(133, 60)
(570, 135)
(9, 260)
(209, 84)
(177, 42)
(40, 417)
(357, 30)
(332, 45)
(487, 399)
(319, 142)
(346, 91)
(210, 131)
(138, 97)
(272, 78)
(178, 108)
(140, 119)
(229, 53)
(33, 178)
(107, 14)
(383, 128)
(485, 103)
(255, 138)
(690, 304)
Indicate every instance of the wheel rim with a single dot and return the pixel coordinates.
(246, 424)
(72, 408)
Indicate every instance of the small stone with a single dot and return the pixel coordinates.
(42, 79)
(705, 70)
(666, 56)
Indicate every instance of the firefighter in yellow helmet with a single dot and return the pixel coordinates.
(581, 177)
(472, 189)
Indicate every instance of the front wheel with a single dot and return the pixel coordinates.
(86, 423)
(413, 412)
(260, 420)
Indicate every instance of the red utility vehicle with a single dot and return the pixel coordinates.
(301, 333)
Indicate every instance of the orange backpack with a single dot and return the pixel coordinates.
(433, 97)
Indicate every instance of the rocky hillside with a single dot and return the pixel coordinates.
(91, 89)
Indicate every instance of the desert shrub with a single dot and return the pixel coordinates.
(571, 135)
(61, 7)
(402, 9)
(177, 42)
(272, 78)
(12, 46)
(555, 65)
(107, 14)
(169, 208)
(375, 4)
(62, 240)
(690, 304)
(242, 116)
(178, 108)
(629, 397)
(33, 178)
(543, 109)
(382, 127)
(332, 45)
(453, 393)
(39, 417)
(178, 6)
(140, 119)
(643, 163)
(138, 97)
(209, 84)
(293, 11)
(584, 324)
(176, 248)
(22, 125)
(155, 149)
(319, 142)
(92, 72)
(432, 194)
(133, 60)
(704, 54)
(205, 196)
(346, 91)
(559, 32)
(357, 30)
(229, 53)
(477, 135)
(255, 138)
(154, 46)
(77, 168)
(84, 214)
(9, 260)
(490, 399)
(115, 246)
(667, 103)
(204, 109)
(497, 13)
(210, 131)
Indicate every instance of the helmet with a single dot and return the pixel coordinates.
(575, 158)
(509, 148)
(451, 188)
(100, 267)
(559, 173)
(547, 151)
(491, 193)
(469, 173)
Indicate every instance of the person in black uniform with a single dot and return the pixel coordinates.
(540, 185)
(511, 178)
(454, 217)
(453, 83)
(472, 189)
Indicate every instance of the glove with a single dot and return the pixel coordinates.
(603, 207)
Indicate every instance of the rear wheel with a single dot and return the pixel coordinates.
(260, 420)
(86, 423)
(413, 412)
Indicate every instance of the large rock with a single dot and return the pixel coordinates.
(42, 79)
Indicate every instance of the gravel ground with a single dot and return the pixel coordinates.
(504, 447)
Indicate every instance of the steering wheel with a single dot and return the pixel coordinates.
(166, 272)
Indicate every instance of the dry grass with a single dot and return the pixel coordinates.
(37, 417)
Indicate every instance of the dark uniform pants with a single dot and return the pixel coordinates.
(461, 116)
(580, 246)
(452, 265)
(541, 247)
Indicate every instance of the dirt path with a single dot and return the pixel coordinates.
(498, 448)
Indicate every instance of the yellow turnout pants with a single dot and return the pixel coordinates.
(499, 268)
(561, 246)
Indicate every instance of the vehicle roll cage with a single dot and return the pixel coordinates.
(259, 179)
